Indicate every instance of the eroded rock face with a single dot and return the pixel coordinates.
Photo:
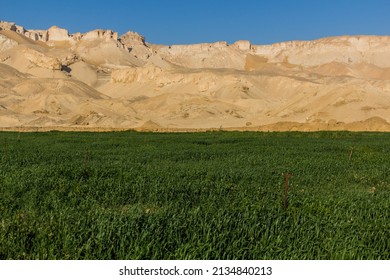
(205, 55)
(6, 43)
(243, 45)
(194, 48)
(37, 35)
(344, 49)
(70, 59)
(100, 34)
(54, 33)
(132, 38)
(349, 50)
(135, 43)
(4, 25)
(58, 34)
(41, 60)
(131, 75)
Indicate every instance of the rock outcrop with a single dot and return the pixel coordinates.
(196, 56)
(54, 33)
(4, 25)
(131, 38)
(100, 34)
(243, 45)
(345, 49)
(6, 43)
(135, 43)
(58, 34)
(37, 35)
(40, 60)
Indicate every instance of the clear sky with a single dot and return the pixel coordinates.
(196, 21)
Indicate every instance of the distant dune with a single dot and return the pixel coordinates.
(99, 81)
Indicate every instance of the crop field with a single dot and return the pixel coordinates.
(212, 195)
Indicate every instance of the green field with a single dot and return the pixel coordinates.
(216, 195)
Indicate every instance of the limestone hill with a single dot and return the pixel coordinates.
(100, 80)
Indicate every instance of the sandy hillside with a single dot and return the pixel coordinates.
(50, 79)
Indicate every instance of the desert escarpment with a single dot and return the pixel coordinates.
(101, 80)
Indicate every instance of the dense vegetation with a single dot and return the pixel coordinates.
(217, 195)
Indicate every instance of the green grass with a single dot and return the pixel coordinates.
(217, 195)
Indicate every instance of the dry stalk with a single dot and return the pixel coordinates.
(286, 178)
(351, 153)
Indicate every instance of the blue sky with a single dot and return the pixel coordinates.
(196, 21)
